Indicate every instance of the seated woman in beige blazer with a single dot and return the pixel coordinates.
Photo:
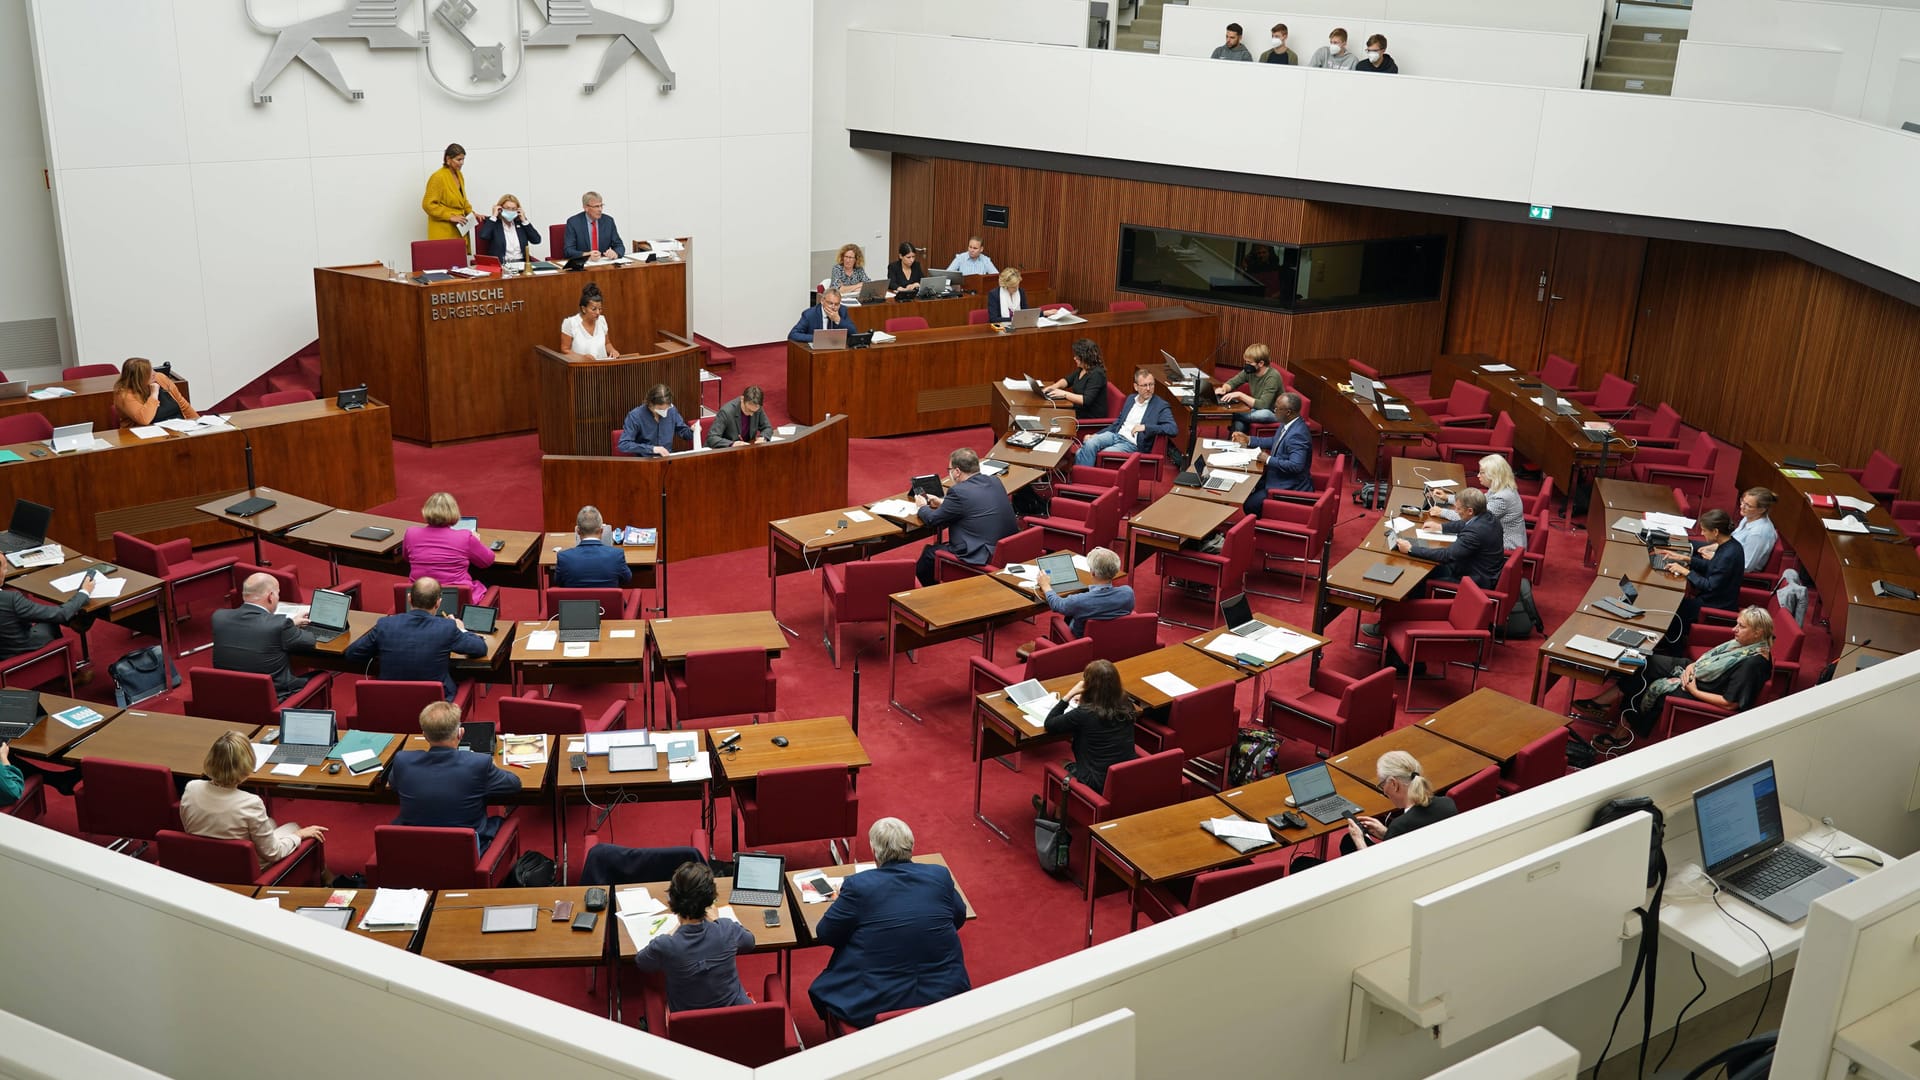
(217, 808)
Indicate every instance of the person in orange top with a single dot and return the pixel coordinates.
(446, 199)
(144, 396)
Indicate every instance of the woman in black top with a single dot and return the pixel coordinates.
(1086, 388)
(1398, 778)
(905, 272)
(1097, 713)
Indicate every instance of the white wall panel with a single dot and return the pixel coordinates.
(683, 200)
(1762, 74)
(560, 175)
(222, 122)
(245, 280)
(696, 43)
(759, 95)
(1122, 122)
(1055, 22)
(1431, 147)
(360, 213)
(385, 121)
(1903, 101)
(852, 189)
(126, 110)
(1859, 194)
(159, 316)
(764, 234)
(1887, 99)
(1846, 28)
(1043, 73)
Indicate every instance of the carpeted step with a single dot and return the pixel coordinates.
(1638, 65)
(1648, 50)
(1633, 84)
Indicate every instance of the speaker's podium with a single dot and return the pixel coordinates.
(583, 401)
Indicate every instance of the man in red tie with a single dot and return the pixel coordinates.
(591, 232)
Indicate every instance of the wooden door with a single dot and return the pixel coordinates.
(1592, 290)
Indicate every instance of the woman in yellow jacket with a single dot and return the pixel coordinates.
(446, 198)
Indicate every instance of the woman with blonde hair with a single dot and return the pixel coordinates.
(1397, 775)
(1503, 503)
(216, 807)
(440, 551)
(849, 267)
(506, 234)
(144, 396)
(1008, 298)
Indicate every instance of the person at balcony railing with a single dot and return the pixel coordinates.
(1232, 50)
(1279, 54)
(1334, 53)
(1378, 60)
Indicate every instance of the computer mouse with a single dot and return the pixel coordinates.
(333, 767)
(779, 740)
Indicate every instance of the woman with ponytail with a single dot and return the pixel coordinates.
(1398, 777)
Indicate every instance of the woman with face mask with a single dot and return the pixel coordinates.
(1378, 60)
(506, 234)
(1279, 54)
(651, 429)
(584, 336)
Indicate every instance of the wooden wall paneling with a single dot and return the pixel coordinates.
(910, 215)
(1493, 304)
(1396, 339)
(1856, 377)
(1327, 223)
(1597, 277)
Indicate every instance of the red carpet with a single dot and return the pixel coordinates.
(921, 773)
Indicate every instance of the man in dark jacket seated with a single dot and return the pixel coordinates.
(445, 786)
(975, 511)
(1475, 552)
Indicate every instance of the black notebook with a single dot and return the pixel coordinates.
(1383, 573)
(250, 507)
(1631, 639)
(371, 532)
(1799, 463)
(1888, 588)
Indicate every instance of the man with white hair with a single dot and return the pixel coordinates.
(1100, 601)
(252, 638)
(895, 935)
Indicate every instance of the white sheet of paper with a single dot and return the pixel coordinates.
(51, 392)
(179, 425)
(289, 770)
(1242, 829)
(1845, 525)
(1014, 384)
(577, 649)
(1851, 503)
(1050, 446)
(1286, 640)
(396, 909)
(700, 768)
(542, 640)
(1211, 445)
(1169, 684)
(1442, 484)
(619, 633)
(1430, 536)
(896, 508)
(859, 515)
(1080, 563)
(261, 752)
(147, 431)
(103, 588)
(1497, 368)
(1399, 524)
(357, 756)
(1672, 523)
(1233, 459)
(577, 746)
(637, 901)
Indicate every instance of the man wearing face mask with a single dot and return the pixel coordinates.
(1334, 54)
(1279, 54)
(1378, 61)
(651, 428)
(1257, 384)
(1232, 50)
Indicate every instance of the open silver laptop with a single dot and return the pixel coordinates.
(1025, 317)
(12, 390)
(937, 283)
(1743, 847)
(829, 339)
(72, 437)
(872, 292)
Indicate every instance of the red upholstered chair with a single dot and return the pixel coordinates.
(1767, 578)
(1088, 482)
(187, 578)
(1464, 406)
(1144, 783)
(1365, 369)
(1203, 724)
(531, 714)
(857, 592)
(1057, 307)
(24, 427)
(291, 591)
(1109, 414)
(1045, 662)
(32, 803)
(557, 241)
(792, 806)
(1481, 788)
(614, 603)
(393, 705)
(1680, 714)
(438, 254)
(977, 316)
(1022, 547)
(126, 800)
(1881, 476)
(905, 322)
(1788, 637)
(1466, 446)
(1613, 399)
(245, 697)
(1127, 305)
(1663, 431)
(465, 592)
(720, 683)
(1336, 712)
(1539, 501)
(1079, 526)
(233, 862)
(1225, 574)
(751, 1035)
(285, 397)
(1114, 640)
(1534, 556)
(1560, 373)
(1160, 903)
(88, 371)
(54, 660)
(418, 857)
(1506, 589)
(1455, 631)
(1541, 760)
(1295, 535)
(1690, 470)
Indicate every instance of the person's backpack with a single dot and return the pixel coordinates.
(1371, 494)
(1524, 620)
(532, 871)
(1051, 844)
(141, 674)
(1255, 756)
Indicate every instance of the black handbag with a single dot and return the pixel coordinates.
(142, 674)
(532, 871)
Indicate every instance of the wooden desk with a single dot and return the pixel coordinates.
(315, 782)
(140, 595)
(1005, 404)
(453, 935)
(1235, 496)
(90, 403)
(583, 401)
(487, 667)
(532, 778)
(455, 358)
(1052, 452)
(611, 659)
(1259, 671)
(673, 639)
(1267, 798)
(1196, 667)
(331, 536)
(643, 561)
(600, 786)
(948, 311)
(1027, 586)
(1359, 426)
(809, 541)
(977, 604)
(718, 500)
(1442, 761)
(1491, 723)
(1000, 729)
(822, 740)
(317, 896)
(1346, 586)
(765, 938)
(1173, 521)
(1550, 440)
(1623, 559)
(1660, 605)
(1159, 845)
(1614, 499)
(174, 742)
(289, 510)
(1556, 660)
(811, 914)
(49, 738)
(930, 380)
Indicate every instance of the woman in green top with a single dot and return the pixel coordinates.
(11, 782)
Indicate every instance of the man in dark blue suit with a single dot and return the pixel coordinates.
(592, 231)
(445, 786)
(975, 512)
(591, 563)
(1143, 418)
(1476, 551)
(825, 315)
(1103, 600)
(1289, 453)
(413, 645)
(895, 934)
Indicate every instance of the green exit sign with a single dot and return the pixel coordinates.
(1540, 213)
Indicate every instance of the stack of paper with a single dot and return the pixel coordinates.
(1232, 645)
(896, 508)
(50, 393)
(1674, 524)
(1430, 536)
(1211, 445)
(147, 431)
(1014, 384)
(395, 909)
(881, 337)
(104, 588)
(1035, 712)
(1168, 683)
(637, 901)
(667, 245)
(1241, 835)
(42, 556)
(1284, 639)
(1050, 446)
(524, 749)
(1233, 459)
(684, 772)
(1844, 525)
(1496, 369)
(1229, 474)
(1851, 503)
(578, 649)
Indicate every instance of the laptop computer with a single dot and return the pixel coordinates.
(1024, 317)
(1175, 372)
(327, 618)
(479, 620)
(1313, 794)
(19, 711)
(759, 879)
(1743, 847)
(579, 620)
(1550, 398)
(17, 388)
(355, 398)
(872, 291)
(1062, 578)
(1238, 613)
(1363, 387)
(477, 736)
(306, 737)
(824, 340)
(28, 528)
(1194, 475)
(71, 437)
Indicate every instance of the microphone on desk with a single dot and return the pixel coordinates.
(1826, 673)
(731, 742)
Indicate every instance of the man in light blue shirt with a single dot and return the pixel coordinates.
(974, 259)
(1755, 531)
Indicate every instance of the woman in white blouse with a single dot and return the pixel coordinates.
(584, 336)
(217, 808)
(1008, 298)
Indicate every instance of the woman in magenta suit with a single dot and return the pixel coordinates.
(438, 550)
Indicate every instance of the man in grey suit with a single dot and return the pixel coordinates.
(252, 638)
(741, 421)
(975, 511)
